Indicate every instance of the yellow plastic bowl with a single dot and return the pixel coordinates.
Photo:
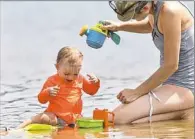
(34, 127)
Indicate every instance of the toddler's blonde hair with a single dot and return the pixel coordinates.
(69, 54)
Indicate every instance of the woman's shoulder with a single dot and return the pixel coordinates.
(176, 10)
(171, 8)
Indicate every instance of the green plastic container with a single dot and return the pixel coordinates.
(89, 123)
(84, 131)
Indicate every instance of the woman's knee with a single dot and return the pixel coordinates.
(121, 116)
(119, 120)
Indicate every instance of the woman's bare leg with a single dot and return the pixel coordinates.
(43, 118)
(187, 114)
(173, 98)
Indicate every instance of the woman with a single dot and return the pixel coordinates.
(168, 93)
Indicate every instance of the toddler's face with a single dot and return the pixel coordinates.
(69, 72)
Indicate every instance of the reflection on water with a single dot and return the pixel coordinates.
(158, 130)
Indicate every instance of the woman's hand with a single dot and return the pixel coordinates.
(128, 95)
(110, 25)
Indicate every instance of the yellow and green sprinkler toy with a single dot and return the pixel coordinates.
(96, 36)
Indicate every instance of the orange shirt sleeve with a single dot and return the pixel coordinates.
(90, 88)
(43, 96)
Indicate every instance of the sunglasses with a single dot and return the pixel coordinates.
(113, 6)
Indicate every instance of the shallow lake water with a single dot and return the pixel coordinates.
(32, 33)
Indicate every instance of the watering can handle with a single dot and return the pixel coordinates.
(112, 117)
(115, 37)
(83, 30)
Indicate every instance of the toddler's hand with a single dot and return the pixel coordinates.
(92, 78)
(53, 90)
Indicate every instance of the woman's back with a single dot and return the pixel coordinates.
(184, 76)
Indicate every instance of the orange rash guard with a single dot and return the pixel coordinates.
(67, 104)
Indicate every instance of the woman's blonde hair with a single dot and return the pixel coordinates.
(70, 54)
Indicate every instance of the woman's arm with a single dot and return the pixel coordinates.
(143, 26)
(171, 29)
